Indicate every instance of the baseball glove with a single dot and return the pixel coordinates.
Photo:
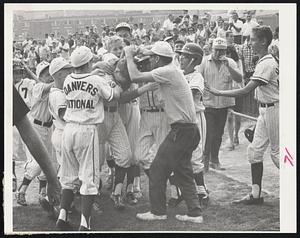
(249, 133)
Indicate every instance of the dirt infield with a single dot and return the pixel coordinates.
(220, 215)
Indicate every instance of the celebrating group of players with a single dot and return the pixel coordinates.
(137, 107)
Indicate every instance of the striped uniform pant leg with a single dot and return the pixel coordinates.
(131, 118)
(197, 155)
(18, 146)
(144, 151)
(272, 124)
(257, 148)
(119, 142)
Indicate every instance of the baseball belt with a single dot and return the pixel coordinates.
(266, 104)
(110, 109)
(153, 110)
(45, 124)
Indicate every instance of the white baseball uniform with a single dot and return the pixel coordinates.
(196, 82)
(112, 130)
(80, 142)
(130, 115)
(42, 122)
(267, 126)
(24, 88)
(57, 101)
(153, 129)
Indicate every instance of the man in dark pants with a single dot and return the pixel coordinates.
(219, 71)
(175, 152)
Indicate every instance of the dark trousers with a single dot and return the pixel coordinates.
(174, 155)
(215, 123)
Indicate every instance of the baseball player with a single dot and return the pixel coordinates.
(175, 152)
(42, 123)
(130, 115)
(80, 142)
(265, 82)
(191, 56)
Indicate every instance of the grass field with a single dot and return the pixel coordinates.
(220, 215)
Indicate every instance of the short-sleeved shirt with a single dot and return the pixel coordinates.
(196, 82)
(176, 93)
(57, 101)
(25, 87)
(247, 27)
(39, 103)
(237, 24)
(85, 94)
(20, 108)
(219, 79)
(267, 71)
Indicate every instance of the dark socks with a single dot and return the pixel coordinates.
(199, 179)
(66, 199)
(120, 173)
(130, 175)
(25, 182)
(111, 163)
(86, 207)
(257, 173)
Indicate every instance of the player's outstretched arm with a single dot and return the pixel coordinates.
(38, 151)
(127, 96)
(134, 73)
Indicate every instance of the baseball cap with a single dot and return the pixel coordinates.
(168, 38)
(161, 48)
(58, 64)
(40, 67)
(81, 56)
(219, 43)
(123, 25)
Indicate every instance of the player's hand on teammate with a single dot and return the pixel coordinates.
(53, 192)
(151, 86)
(131, 50)
(211, 90)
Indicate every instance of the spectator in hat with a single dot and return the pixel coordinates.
(236, 25)
(170, 40)
(168, 24)
(220, 71)
(146, 40)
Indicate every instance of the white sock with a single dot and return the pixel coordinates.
(255, 190)
(130, 188)
(62, 214)
(83, 221)
(137, 184)
(174, 193)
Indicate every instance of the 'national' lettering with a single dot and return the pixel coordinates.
(80, 104)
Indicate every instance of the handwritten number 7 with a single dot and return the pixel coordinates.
(26, 90)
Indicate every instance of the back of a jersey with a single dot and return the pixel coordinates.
(85, 94)
(24, 88)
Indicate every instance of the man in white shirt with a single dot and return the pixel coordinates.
(248, 25)
(235, 25)
(141, 31)
(168, 24)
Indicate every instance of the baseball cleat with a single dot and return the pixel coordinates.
(138, 194)
(216, 166)
(148, 216)
(198, 219)
(21, 198)
(83, 228)
(174, 202)
(118, 203)
(62, 225)
(249, 200)
(131, 199)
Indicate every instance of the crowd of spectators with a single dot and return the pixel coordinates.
(175, 29)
